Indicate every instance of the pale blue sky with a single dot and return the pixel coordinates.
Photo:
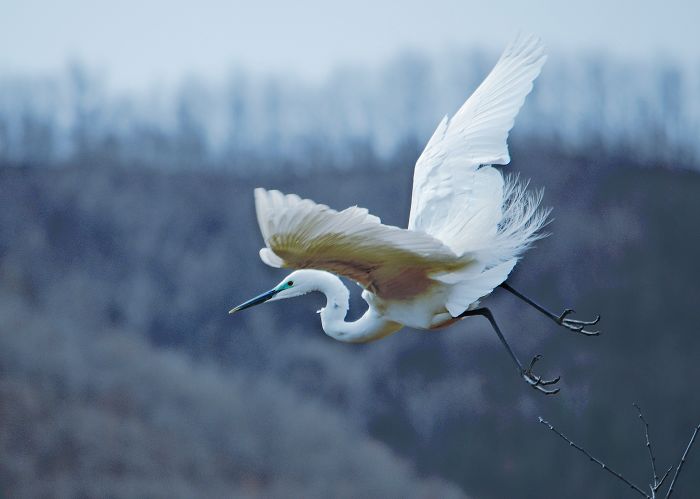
(141, 42)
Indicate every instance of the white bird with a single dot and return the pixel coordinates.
(467, 228)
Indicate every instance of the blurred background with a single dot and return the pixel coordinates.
(131, 138)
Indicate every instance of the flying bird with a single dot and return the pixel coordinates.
(467, 228)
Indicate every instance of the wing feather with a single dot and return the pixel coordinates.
(449, 186)
(391, 262)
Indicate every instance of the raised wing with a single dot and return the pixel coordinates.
(450, 191)
(391, 262)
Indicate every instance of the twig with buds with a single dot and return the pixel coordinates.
(656, 483)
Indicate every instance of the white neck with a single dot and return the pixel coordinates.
(371, 326)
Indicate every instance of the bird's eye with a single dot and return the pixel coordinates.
(290, 283)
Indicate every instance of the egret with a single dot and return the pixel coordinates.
(467, 228)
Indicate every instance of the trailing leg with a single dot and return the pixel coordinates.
(561, 319)
(532, 379)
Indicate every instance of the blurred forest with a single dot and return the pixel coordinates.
(127, 231)
(647, 111)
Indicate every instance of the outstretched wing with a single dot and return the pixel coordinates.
(391, 262)
(450, 191)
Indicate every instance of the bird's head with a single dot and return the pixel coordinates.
(297, 283)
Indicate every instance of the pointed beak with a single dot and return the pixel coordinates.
(254, 301)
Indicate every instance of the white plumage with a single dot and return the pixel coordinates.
(467, 227)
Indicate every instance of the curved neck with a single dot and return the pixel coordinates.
(371, 326)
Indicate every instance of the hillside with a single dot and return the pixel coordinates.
(115, 284)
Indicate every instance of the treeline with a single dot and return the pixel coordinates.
(248, 121)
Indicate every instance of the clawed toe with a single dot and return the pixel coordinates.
(566, 312)
(537, 382)
(575, 325)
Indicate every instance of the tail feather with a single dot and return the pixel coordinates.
(521, 223)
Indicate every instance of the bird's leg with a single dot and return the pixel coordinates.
(561, 319)
(532, 379)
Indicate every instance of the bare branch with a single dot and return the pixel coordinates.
(664, 477)
(656, 484)
(680, 465)
(648, 443)
(594, 459)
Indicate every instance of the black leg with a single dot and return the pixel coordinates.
(533, 380)
(570, 324)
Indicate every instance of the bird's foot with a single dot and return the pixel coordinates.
(575, 325)
(537, 382)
